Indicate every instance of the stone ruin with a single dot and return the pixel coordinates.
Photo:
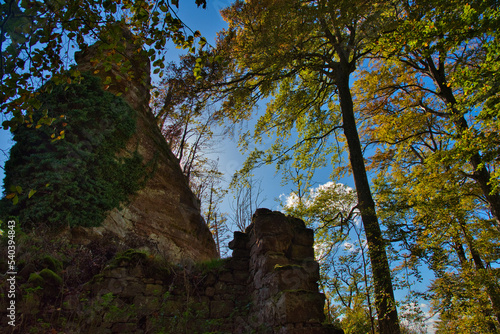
(269, 285)
(165, 214)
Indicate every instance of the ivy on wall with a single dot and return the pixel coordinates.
(67, 171)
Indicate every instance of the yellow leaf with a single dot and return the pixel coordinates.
(52, 135)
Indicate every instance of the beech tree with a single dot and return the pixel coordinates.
(437, 70)
(430, 105)
(300, 55)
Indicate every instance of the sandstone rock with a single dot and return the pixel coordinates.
(164, 216)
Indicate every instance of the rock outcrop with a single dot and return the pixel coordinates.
(165, 215)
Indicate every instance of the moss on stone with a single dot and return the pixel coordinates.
(51, 278)
(36, 280)
(129, 256)
(52, 263)
(77, 164)
(214, 265)
(286, 266)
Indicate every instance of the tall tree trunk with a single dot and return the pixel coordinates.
(480, 174)
(487, 277)
(384, 294)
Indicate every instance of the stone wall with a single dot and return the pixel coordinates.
(269, 285)
(283, 275)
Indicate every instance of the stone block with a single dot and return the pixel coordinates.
(304, 237)
(240, 241)
(220, 287)
(221, 308)
(119, 272)
(241, 253)
(153, 290)
(293, 277)
(132, 289)
(240, 276)
(238, 263)
(200, 306)
(298, 306)
(147, 304)
(278, 243)
(239, 290)
(299, 252)
(114, 285)
(210, 279)
(296, 223)
(210, 291)
(275, 224)
(270, 260)
(137, 271)
(226, 276)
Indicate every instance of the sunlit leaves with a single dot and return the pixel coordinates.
(425, 107)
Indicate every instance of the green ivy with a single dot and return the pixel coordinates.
(64, 165)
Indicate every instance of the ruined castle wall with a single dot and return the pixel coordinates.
(269, 285)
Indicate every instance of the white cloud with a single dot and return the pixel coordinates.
(291, 200)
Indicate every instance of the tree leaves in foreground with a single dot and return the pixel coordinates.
(38, 39)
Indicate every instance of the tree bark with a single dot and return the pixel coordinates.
(481, 174)
(384, 294)
(492, 288)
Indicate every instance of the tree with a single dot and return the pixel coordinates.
(185, 113)
(247, 199)
(304, 59)
(429, 105)
(37, 39)
(331, 210)
(429, 84)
